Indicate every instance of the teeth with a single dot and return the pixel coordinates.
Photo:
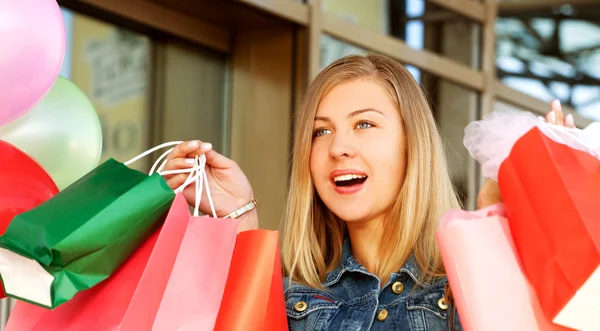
(347, 177)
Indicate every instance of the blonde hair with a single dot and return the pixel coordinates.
(313, 236)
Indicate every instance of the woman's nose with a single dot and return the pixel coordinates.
(341, 147)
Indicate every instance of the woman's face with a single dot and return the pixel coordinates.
(358, 155)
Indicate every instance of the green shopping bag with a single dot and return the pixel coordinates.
(83, 234)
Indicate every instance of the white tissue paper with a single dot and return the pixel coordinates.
(490, 140)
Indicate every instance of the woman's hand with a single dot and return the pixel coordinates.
(229, 187)
(490, 191)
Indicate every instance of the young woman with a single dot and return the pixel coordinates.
(369, 183)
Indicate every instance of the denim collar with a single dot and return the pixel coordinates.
(349, 264)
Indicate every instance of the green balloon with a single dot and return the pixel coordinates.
(62, 132)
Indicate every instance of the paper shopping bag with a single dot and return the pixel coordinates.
(479, 255)
(253, 299)
(24, 184)
(100, 308)
(183, 291)
(130, 299)
(79, 237)
(195, 288)
(551, 193)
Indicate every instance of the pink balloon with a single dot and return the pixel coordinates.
(32, 49)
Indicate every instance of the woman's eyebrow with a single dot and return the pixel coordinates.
(352, 114)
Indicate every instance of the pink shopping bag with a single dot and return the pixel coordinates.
(195, 289)
(488, 285)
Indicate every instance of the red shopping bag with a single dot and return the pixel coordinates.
(551, 194)
(253, 299)
(478, 254)
(130, 298)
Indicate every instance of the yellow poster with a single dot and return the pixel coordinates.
(110, 66)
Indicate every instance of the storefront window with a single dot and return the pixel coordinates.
(194, 97)
(552, 54)
(372, 14)
(393, 17)
(333, 49)
(111, 66)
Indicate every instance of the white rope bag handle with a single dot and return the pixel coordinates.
(191, 170)
(199, 176)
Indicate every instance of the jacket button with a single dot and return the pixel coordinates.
(398, 287)
(300, 306)
(383, 314)
(442, 303)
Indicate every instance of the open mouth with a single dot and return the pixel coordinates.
(349, 180)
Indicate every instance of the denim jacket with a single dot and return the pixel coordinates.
(353, 300)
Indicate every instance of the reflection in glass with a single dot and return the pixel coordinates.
(553, 54)
(391, 17)
(371, 14)
(415, 30)
(110, 65)
(333, 49)
(194, 94)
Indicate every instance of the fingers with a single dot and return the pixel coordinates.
(556, 115)
(569, 121)
(182, 156)
(555, 106)
(218, 161)
(177, 180)
(185, 151)
(551, 117)
(189, 149)
(179, 163)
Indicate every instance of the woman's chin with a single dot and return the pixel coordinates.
(351, 215)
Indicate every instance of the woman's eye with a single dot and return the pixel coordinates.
(320, 132)
(364, 125)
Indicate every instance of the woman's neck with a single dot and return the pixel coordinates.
(365, 238)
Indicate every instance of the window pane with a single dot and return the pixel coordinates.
(333, 49)
(420, 24)
(552, 54)
(110, 65)
(194, 95)
(372, 14)
(455, 107)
